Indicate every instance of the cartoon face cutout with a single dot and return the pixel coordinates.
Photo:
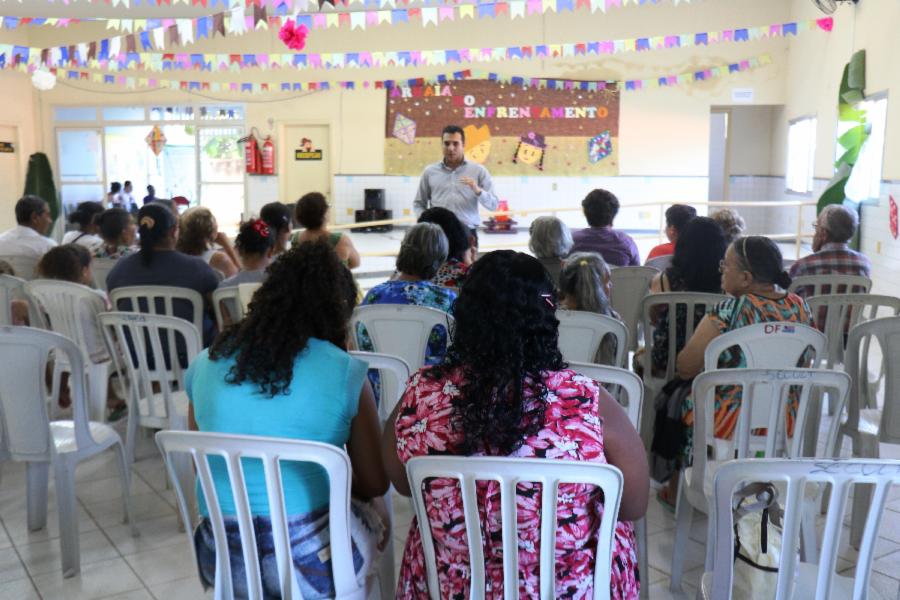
(528, 154)
(478, 143)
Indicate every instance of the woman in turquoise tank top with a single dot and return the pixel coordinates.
(284, 372)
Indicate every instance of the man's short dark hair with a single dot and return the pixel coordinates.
(27, 206)
(679, 215)
(600, 208)
(454, 129)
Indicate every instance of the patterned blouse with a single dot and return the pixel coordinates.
(573, 430)
(104, 252)
(729, 315)
(451, 274)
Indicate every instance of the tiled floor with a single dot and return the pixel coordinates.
(159, 563)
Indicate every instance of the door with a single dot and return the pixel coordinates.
(10, 162)
(718, 156)
(306, 161)
(80, 153)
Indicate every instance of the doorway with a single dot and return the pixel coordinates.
(305, 161)
(10, 174)
(718, 156)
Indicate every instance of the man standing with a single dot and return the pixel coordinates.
(834, 227)
(28, 237)
(455, 183)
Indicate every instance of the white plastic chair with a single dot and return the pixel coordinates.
(392, 387)
(509, 472)
(845, 311)
(821, 285)
(400, 329)
(581, 333)
(765, 397)
(245, 294)
(629, 286)
(199, 446)
(227, 299)
(157, 300)
(774, 345)
(25, 267)
(660, 263)
(29, 436)
(100, 268)
(797, 579)
(72, 310)
(11, 288)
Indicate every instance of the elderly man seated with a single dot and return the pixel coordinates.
(27, 239)
(835, 227)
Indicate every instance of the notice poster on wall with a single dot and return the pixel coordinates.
(509, 129)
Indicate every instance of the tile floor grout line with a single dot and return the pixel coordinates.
(22, 562)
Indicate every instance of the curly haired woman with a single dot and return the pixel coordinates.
(504, 390)
(198, 234)
(286, 365)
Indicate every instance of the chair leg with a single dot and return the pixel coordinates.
(862, 494)
(125, 473)
(37, 476)
(68, 518)
(97, 390)
(684, 514)
(640, 535)
(387, 579)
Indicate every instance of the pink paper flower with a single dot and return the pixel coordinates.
(826, 23)
(293, 37)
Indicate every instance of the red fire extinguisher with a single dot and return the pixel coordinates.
(252, 158)
(268, 157)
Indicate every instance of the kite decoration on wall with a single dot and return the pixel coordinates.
(478, 143)
(599, 147)
(405, 129)
(531, 149)
(156, 139)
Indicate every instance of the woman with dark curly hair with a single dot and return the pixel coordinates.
(198, 235)
(504, 390)
(311, 213)
(286, 366)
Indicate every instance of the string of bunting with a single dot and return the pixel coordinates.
(662, 81)
(109, 54)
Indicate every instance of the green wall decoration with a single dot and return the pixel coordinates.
(39, 182)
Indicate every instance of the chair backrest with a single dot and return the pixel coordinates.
(24, 422)
(400, 329)
(819, 285)
(842, 312)
(145, 342)
(157, 300)
(887, 332)
(842, 475)
(629, 286)
(632, 389)
(245, 294)
(227, 299)
(67, 305)
(660, 263)
(581, 333)
(509, 472)
(767, 397)
(671, 301)
(11, 288)
(392, 387)
(775, 345)
(272, 452)
(25, 267)
(100, 268)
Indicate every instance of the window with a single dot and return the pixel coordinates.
(865, 180)
(801, 150)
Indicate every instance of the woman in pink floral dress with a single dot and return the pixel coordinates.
(503, 390)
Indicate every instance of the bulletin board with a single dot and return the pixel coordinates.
(510, 129)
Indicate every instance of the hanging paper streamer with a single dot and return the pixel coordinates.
(895, 229)
(156, 139)
(405, 129)
(599, 147)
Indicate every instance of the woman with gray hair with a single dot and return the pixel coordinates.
(422, 252)
(585, 285)
(550, 243)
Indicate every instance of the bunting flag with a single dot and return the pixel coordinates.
(629, 85)
(110, 55)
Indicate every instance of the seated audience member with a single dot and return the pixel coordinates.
(198, 234)
(311, 213)
(460, 253)
(504, 390)
(158, 263)
(85, 218)
(278, 218)
(119, 233)
(422, 252)
(731, 223)
(254, 242)
(677, 217)
(835, 226)
(28, 237)
(286, 365)
(753, 274)
(18, 308)
(550, 242)
(151, 195)
(616, 247)
(585, 284)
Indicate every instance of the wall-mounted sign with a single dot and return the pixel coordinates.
(742, 95)
(7, 147)
(306, 151)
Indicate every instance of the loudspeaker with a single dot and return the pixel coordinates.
(363, 216)
(374, 199)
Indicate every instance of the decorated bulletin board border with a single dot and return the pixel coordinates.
(110, 55)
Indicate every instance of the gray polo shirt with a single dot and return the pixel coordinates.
(441, 186)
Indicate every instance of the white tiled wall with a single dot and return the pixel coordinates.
(769, 220)
(878, 244)
(535, 192)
